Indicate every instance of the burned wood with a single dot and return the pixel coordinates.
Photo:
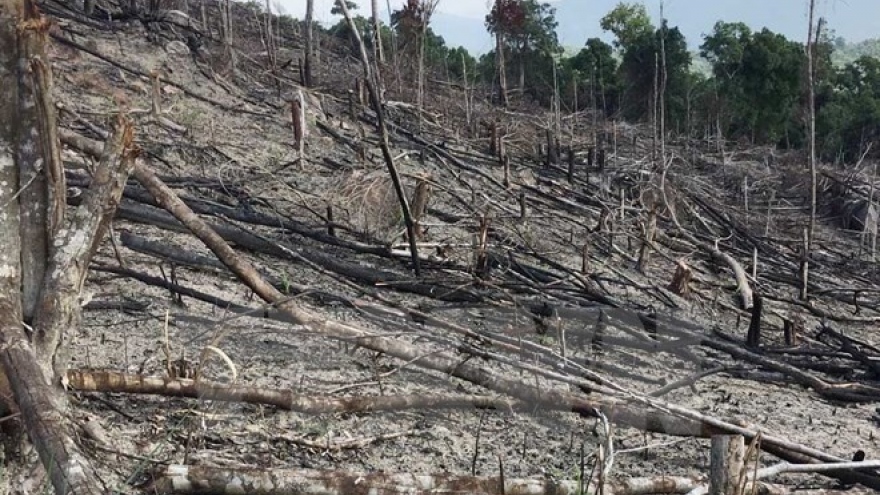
(355, 271)
(753, 338)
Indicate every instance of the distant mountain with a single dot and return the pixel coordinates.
(845, 53)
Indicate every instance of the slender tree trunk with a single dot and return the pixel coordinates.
(377, 34)
(499, 59)
(421, 72)
(225, 8)
(663, 77)
(811, 115)
(522, 75)
(307, 64)
(394, 58)
(467, 97)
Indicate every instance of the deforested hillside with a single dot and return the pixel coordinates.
(569, 302)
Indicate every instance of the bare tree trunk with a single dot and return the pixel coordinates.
(377, 34)
(467, 94)
(394, 58)
(499, 58)
(272, 48)
(662, 94)
(812, 121)
(226, 24)
(811, 116)
(376, 101)
(39, 167)
(307, 64)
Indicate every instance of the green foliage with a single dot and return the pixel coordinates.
(458, 60)
(629, 22)
(851, 118)
(847, 53)
(759, 80)
(592, 72)
(642, 65)
(351, 6)
(365, 27)
(530, 45)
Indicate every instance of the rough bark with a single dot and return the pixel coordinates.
(742, 280)
(298, 119)
(113, 382)
(34, 156)
(60, 308)
(727, 459)
(307, 58)
(29, 214)
(39, 403)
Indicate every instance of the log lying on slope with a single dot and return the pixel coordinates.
(182, 480)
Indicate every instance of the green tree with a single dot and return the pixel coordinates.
(629, 22)
(640, 70)
(851, 118)
(758, 81)
(530, 42)
(454, 60)
(335, 10)
(592, 73)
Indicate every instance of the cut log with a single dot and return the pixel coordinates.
(681, 281)
(742, 280)
(179, 479)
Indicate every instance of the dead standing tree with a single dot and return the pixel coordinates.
(412, 21)
(376, 101)
(504, 15)
(45, 254)
(306, 69)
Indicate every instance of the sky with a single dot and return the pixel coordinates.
(460, 22)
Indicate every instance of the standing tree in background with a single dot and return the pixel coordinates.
(377, 34)
(641, 47)
(850, 121)
(527, 33)
(725, 49)
(505, 15)
(641, 51)
(596, 71)
(412, 22)
(629, 23)
(811, 130)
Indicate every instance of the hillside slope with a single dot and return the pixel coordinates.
(543, 274)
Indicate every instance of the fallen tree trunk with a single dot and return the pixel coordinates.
(41, 412)
(180, 480)
(113, 382)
